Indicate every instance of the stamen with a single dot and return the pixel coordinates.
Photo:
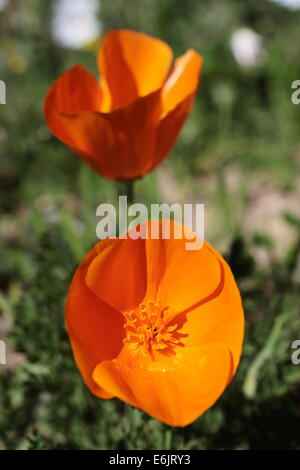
(148, 327)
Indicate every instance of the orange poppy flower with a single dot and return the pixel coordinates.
(125, 125)
(156, 325)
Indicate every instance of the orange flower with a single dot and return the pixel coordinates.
(125, 125)
(156, 325)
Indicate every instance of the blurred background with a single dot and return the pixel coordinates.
(239, 153)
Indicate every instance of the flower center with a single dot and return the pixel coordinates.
(148, 326)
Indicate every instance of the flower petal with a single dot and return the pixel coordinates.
(132, 65)
(95, 329)
(175, 390)
(221, 319)
(191, 276)
(178, 95)
(183, 80)
(117, 81)
(119, 145)
(156, 263)
(117, 275)
(74, 91)
(169, 128)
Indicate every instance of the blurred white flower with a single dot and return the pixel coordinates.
(291, 4)
(3, 4)
(247, 47)
(75, 22)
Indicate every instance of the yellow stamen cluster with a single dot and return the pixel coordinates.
(148, 326)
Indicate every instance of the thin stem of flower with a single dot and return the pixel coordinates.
(126, 188)
(129, 185)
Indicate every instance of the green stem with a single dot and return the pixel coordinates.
(125, 188)
(130, 191)
(251, 380)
